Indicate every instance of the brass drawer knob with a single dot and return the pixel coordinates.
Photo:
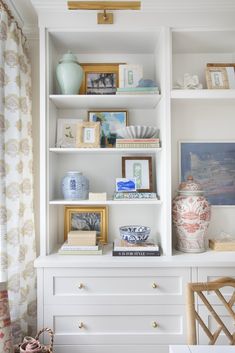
(154, 324)
(80, 286)
(80, 325)
(154, 285)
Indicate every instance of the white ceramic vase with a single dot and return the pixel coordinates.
(191, 217)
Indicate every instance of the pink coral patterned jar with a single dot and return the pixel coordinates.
(191, 217)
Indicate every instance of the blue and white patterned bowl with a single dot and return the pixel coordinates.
(135, 234)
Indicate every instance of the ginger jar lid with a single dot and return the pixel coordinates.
(69, 57)
(190, 187)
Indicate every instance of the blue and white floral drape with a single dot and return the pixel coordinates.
(17, 237)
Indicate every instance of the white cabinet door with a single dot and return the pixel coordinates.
(116, 324)
(211, 274)
(116, 286)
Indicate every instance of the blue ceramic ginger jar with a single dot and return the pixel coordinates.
(69, 74)
(75, 186)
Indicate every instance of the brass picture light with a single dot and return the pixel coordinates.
(104, 17)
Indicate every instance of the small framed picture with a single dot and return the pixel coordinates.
(125, 184)
(87, 218)
(212, 164)
(66, 132)
(110, 122)
(88, 134)
(100, 78)
(130, 75)
(217, 78)
(139, 168)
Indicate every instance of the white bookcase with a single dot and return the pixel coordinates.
(118, 304)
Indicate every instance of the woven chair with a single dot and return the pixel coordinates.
(195, 320)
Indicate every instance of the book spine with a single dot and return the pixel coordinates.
(80, 252)
(136, 253)
(137, 92)
(137, 89)
(137, 145)
(136, 248)
(78, 247)
(145, 140)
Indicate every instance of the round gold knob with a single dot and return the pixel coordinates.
(80, 325)
(154, 324)
(154, 285)
(80, 286)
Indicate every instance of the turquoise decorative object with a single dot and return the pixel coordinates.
(69, 74)
(75, 186)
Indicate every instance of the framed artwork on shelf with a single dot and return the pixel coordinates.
(139, 168)
(66, 132)
(217, 78)
(87, 218)
(110, 121)
(130, 75)
(212, 164)
(100, 78)
(88, 134)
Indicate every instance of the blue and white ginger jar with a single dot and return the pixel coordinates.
(75, 186)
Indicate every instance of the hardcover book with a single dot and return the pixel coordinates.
(122, 248)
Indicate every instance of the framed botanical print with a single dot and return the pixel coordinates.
(139, 168)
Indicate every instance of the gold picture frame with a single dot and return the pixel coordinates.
(217, 78)
(88, 135)
(87, 218)
(99, 74)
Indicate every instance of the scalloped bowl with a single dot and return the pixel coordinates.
(138, 132)
(135, 234)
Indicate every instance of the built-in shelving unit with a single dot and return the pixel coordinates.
(105, 150)
(149, 101)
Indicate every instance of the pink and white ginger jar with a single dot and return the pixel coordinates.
(191, 217)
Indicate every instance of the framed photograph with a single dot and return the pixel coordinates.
(100, 78)
(212, 164)
(66, 132)
(125, 184)
(130, 75)
(110, 121)
(217, 78)
(139, 168)
(87, 218)
(88, 134)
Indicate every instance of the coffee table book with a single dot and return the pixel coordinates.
(123, 248)
(66, 249)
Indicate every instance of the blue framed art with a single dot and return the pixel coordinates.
(212, 164)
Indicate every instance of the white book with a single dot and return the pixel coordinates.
(122, 245)
(65, 246)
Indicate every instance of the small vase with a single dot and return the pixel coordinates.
(191, 217)
(75, 186)
(69, 74)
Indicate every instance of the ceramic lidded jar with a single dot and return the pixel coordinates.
(69, 74)
(191, 217)
(75, 186)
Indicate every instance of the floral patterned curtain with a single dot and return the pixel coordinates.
(17, 237)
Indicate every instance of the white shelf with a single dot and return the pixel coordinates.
(203, 94)
(147, 101)
(105, 150)
(107, 202)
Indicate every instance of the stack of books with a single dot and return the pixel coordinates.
(138, 143)
(137, 90)
(81, 243)
(147, 248)
(133, 195)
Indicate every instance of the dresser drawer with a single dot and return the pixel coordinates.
(82, 324)
(211, 274)
(115, 286)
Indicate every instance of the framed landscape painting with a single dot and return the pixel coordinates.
(212, 164)
(87, 218)
(110, 122)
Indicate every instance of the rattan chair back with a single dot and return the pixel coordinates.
(195, 320)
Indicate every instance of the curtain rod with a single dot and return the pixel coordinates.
(4, 6)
